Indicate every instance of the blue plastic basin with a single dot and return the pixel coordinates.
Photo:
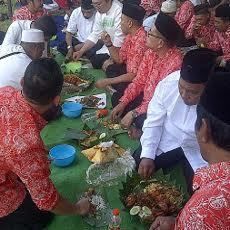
(62, 155)
(72, 109)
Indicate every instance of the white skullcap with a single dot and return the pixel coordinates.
(169, 6)
(33, 36)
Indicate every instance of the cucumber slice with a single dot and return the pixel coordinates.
(135, 210)
(147, 211)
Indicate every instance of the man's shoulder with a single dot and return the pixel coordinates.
(22, 24)
(76, 12)
(170, 82)
(117, 5)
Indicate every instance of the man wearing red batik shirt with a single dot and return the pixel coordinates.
(202, 27)
(209, 207)
(184, 14)
(221, 39)
(27, 194)
(130, 55)
(161, 59)
(32, 11)
(151, 6)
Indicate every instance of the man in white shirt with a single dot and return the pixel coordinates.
(168, 7)
(80, 23)
(14, 59)
(107, 20)
(14, 32)
(168, 132)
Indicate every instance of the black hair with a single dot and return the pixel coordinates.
(47, 25)
(43, 81)
(219, 131)
(201, 9)
(87, 4)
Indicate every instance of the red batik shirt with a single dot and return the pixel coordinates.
(221, 41)
(133, 49)
(205, 32)
(152, 70)
(23, 13)
(22, 155)
(209, 207)
(151, 5)
(184, 15)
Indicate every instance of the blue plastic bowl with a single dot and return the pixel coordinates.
(72, 109)
(62, 155)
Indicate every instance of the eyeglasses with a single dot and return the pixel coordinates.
(149, 34)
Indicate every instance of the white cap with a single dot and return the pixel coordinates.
(33, 36)
(169, 6)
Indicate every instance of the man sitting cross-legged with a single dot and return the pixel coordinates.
(208, 208)
(129, 57)
(161, 59)
(168, 132)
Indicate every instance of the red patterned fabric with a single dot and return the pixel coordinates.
(221, 41)
(209, 207)
(151, 5)
(133, 49)
(184, 15)
(205, 33)
(23, 13)
(152, 70)
(22, 155)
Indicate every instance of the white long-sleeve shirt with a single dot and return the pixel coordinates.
(14, 32)
(109, 22)
(170, 124)
(79, 25)
(12, 68)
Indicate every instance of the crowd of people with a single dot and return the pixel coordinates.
(167, 64)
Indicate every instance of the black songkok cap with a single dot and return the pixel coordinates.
(133, 11)
(216, 95)
(197, 65)
(223, 11)
(201, 9)
(87, 4)
(168, 27)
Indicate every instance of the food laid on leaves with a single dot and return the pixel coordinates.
(97, 101)
(99, 214)
(73, 83)
(111, 125)
(89, 101)
(151, 198)
(104, 152)
(97, 203)
(74, 80)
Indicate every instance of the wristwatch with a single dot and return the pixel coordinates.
(134, 114)
(69, 47)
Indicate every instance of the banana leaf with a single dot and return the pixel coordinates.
(73, 134)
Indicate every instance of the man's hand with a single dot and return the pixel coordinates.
(127, 120)
(69, 55)
(101, 84)
(77, 55)
(146, 167)
(105, 37)
(117, 111)
(163, 223)
(83, 206)
(107, 63)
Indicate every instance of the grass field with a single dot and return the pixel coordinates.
(5, 24)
